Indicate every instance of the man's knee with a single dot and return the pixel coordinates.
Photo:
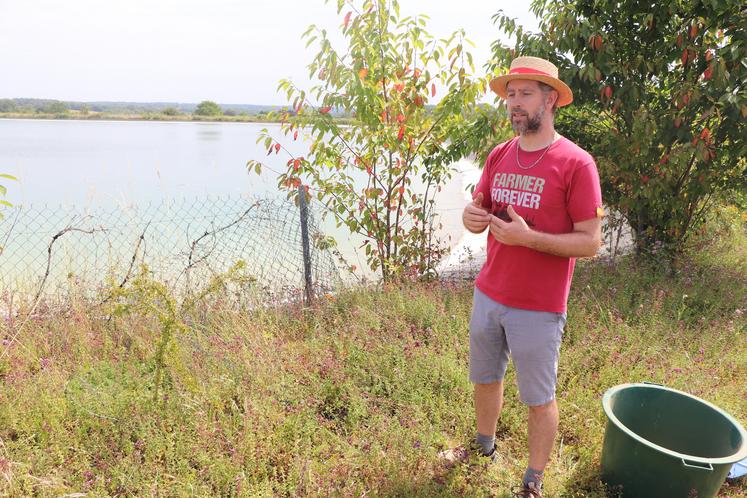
(488, 386)
(548, 407)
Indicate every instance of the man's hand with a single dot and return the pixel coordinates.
(583, 242)
(512, 233)
(475, 217)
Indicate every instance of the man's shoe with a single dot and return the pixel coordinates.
(530, 490)
(461, 454)
(493, 455)
(453, 456)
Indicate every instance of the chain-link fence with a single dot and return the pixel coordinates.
(182, 242)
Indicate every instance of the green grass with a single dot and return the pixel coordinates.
(356, 395)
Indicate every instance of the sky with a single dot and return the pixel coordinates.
(228, 51)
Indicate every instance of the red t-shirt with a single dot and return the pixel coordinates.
(561, 189)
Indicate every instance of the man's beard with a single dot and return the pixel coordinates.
(532, 124)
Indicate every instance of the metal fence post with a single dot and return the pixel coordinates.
(309, 295)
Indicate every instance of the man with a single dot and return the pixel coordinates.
(540, 199)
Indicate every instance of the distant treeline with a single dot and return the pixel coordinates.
(205, 108)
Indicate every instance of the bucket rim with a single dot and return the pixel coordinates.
(730, 459)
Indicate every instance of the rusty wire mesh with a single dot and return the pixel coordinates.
(182, 242)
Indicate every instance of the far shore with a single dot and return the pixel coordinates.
(151, 116)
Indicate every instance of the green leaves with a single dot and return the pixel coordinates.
(647, 81)
(376, 130)
(4, 191)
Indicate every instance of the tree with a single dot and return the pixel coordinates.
(378, 173)
(8, 105)
(660, 100)
(171, 111)
(54, 107)
(208, 108)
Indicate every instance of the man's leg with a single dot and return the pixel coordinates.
(488, 353)
(534, 338)
(488, 404)
(543, 427)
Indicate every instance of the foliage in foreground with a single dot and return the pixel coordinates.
(660, 100)
(356, 395)
(379, 174)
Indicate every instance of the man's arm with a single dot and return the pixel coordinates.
(583, 242)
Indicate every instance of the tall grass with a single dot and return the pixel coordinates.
(354, 396)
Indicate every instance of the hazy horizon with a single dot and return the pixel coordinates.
(187, 51)
(163, 102)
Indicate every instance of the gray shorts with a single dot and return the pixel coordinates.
(532, 338)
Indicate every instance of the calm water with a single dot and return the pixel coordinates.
(106, 163)
(84, 165)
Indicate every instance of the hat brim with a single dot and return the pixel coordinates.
(565, 95)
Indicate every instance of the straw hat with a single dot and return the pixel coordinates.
(533, 68)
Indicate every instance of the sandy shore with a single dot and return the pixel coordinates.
(467, 253)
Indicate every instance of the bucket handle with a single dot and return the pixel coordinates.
(652, 383)
(697, 465)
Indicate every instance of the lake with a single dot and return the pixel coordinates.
(71, 166)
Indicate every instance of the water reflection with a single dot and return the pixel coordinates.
(209, 132)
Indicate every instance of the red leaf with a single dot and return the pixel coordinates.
(296, 164)
(295, 135)
(347, 19)
(400, 118)
(433, 89)
(597, 42)
(401, 133)
(325, 109)
(708, 72)
(277, 148)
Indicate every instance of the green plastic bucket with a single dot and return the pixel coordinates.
(664, 443)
